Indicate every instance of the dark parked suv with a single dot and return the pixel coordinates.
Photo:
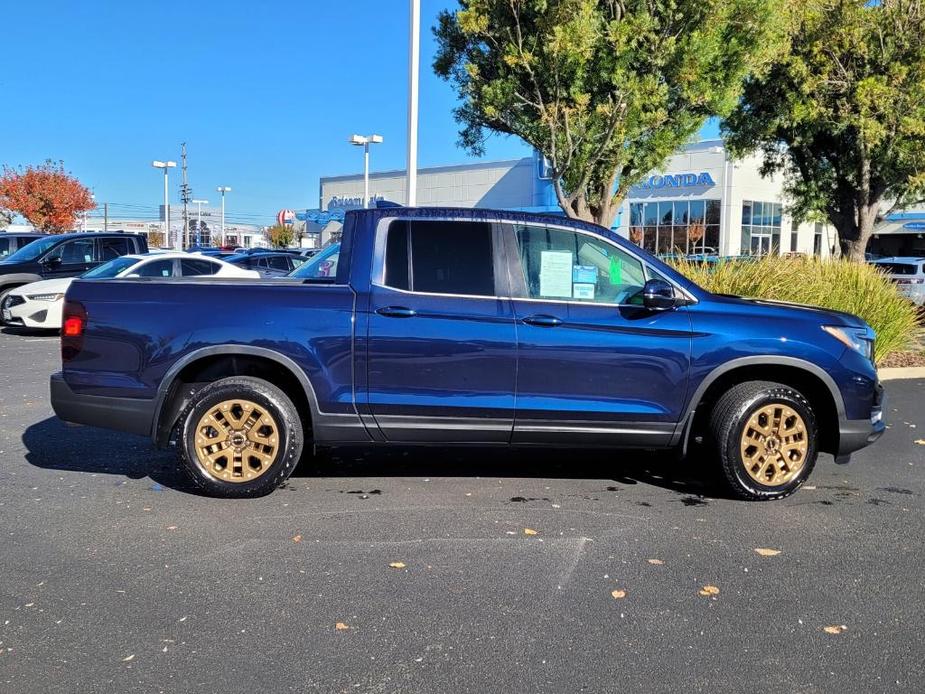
(65, 255)
(267, 263)
(12, 241)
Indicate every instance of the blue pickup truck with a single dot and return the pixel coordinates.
(477, 327)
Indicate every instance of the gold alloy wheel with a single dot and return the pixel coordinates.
(774, 445)
(236, 441)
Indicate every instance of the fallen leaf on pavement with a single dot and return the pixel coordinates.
(920, 442)
(656, 562)
(529, 531)
(340, 626)
(171, 527)
(834, 629)
(617, 594)
(297, 538)
(131, 657)
(397, 565)
(767, 552)
(709, 590)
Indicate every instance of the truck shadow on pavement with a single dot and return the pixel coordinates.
(53, 445)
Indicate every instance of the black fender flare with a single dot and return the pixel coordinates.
(682, 433)
(230, 350)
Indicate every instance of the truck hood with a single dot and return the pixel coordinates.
(824, 316)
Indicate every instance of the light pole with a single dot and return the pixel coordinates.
(414, 56)
(223, 190)
(166, 166)
(199, 204)
(365, 141)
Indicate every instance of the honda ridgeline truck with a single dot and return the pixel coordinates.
(478, 327)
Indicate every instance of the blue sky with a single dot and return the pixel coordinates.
(264, 95)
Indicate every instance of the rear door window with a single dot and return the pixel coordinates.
(195, 267)
(113, 248)
(155, 268)
(279, 262)
(441, 258)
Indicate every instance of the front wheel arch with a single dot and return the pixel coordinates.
(828, 405)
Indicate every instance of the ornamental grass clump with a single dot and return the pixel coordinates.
(841, 285)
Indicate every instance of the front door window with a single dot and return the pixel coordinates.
(566, 265)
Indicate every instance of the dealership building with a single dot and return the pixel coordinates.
(703, 201)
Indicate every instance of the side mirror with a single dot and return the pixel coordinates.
(52, 261)
(658, 295)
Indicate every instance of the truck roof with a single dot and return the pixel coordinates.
(476, 214)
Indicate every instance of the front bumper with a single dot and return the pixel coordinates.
(855, 434)
(31, 314)
(132, 415)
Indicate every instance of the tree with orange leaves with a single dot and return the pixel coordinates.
(46, 195)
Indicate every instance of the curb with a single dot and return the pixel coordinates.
(898, 373)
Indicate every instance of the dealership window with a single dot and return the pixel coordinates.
(761, 222)
(817, 239)
(676, 227)
(794, 236)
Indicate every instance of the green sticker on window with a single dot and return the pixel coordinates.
(616, 270)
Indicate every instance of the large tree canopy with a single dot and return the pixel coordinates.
(607, 90)
(843, 115)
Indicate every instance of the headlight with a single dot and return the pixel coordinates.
(46, 297)
(859, 339)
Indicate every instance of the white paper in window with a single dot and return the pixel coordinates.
(556, 274)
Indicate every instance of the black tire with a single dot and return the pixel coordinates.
(286, 451)
(728, 423)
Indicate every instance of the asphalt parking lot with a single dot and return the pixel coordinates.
(449, 571)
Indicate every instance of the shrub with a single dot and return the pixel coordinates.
(841, 285)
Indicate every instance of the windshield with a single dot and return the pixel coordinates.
(32, 251)
(110, 269)
(320, 266)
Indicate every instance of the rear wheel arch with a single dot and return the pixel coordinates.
(211, 364)
(807, 378)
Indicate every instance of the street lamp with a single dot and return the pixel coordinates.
(365, 141)
(199, 204)
(166, 165)
(223, 190)
(414, 57)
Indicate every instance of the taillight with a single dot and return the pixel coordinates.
(73, 325)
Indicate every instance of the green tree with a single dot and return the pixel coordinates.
(843, 115)
(606, 90)
(280, 235)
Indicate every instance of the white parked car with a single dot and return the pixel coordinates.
(908, 273)
(39, 304)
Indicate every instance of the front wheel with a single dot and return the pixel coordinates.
(766, 436)
(240, 437)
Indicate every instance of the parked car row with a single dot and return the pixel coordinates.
(37, 270)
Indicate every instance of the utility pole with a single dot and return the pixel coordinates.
(414, 53)
(186, 194)
(105, 216)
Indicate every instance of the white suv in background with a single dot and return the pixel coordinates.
(38, 304)
(909, 275)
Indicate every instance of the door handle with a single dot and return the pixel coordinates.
(543, 321)
(396, 312)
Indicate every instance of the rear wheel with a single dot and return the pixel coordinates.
(766, 436)
(240, 437)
